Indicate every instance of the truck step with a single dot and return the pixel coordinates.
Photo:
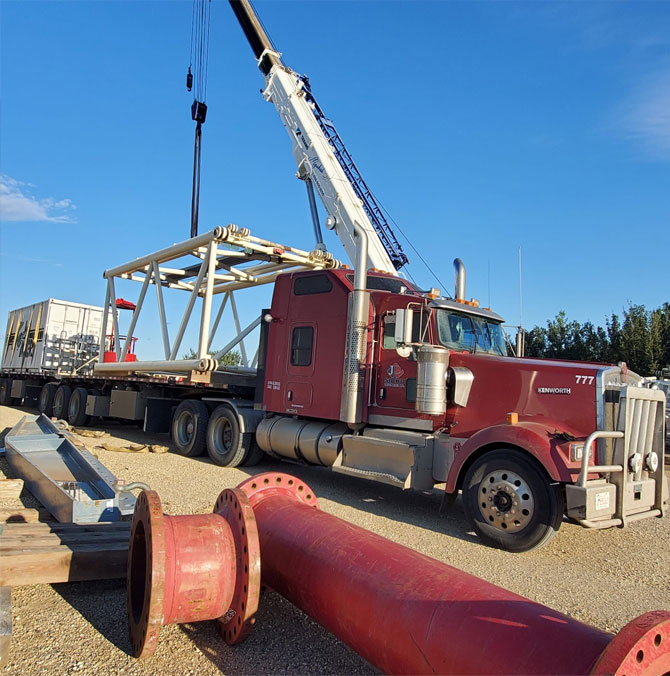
(368, 474)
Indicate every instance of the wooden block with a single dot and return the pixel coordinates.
(42, 527)
(10, 488)
(64, 563)
(20, 515)
(33, 541)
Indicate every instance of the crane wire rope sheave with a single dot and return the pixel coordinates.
(196, 81)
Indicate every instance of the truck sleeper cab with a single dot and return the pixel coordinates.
(527, 441)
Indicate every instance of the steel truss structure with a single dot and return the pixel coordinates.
(229, 259)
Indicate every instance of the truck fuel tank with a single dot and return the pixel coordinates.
(316, 442)
(431, 379)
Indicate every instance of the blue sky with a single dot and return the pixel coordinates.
(481, 126)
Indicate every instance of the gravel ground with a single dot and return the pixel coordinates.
(604, 578)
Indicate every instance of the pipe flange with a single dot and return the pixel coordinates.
(238, 620)
(277, 483)
(146, 574)
(639, 649)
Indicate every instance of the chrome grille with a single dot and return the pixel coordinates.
(641, 417)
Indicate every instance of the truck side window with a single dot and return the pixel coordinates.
(301, 345)
(311, 284)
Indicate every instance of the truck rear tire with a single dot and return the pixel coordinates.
(226, 445)
(189, 428)
(6, 392)
(76, 410)
(255, 454)
(46, 401)
(61, 402)
(511, 502)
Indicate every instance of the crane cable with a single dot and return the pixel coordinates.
(196, 81)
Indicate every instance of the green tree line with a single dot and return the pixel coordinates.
(641, 338)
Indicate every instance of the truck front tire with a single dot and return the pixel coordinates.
(189, 428)
(511, 502)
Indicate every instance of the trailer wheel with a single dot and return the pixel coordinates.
(6, 398)
(511, 501)
(61, 402)
(76, 410)
(189, 428)
(226, 445)
(46, 400)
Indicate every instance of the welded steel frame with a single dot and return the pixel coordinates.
(229, 259)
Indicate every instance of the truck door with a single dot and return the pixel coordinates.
(395, 377)
(298, 393)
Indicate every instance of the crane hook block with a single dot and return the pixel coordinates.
(189, 80)
(199, 111)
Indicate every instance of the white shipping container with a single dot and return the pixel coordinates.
(53, 336)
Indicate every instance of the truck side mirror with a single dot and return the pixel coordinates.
(403, 331)
(403, 326)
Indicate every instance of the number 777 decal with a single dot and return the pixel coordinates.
(585, 380)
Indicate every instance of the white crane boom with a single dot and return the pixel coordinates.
(322, 159)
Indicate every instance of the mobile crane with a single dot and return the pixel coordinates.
(363, 372)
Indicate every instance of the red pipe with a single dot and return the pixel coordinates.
(402, 611)
(192, 568)
(409, 614)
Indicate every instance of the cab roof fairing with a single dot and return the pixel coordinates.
(446, 304)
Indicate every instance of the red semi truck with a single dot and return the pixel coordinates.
(434, 398)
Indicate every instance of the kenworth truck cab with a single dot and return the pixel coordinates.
(528, 441)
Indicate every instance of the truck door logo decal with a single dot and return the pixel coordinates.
(554, 390)
(395, 376)
(395, 371)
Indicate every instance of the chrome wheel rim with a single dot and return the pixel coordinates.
(506, 501)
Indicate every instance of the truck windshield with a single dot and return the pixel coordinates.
(465, 332)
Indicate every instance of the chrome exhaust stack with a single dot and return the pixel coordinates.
(459, 285)
(353, 376)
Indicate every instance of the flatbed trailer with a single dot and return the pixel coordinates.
(149, 392)
(146, 400)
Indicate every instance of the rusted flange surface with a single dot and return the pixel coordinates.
(641, 648)
(146, 574)
(277, 483)
(237, 622)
